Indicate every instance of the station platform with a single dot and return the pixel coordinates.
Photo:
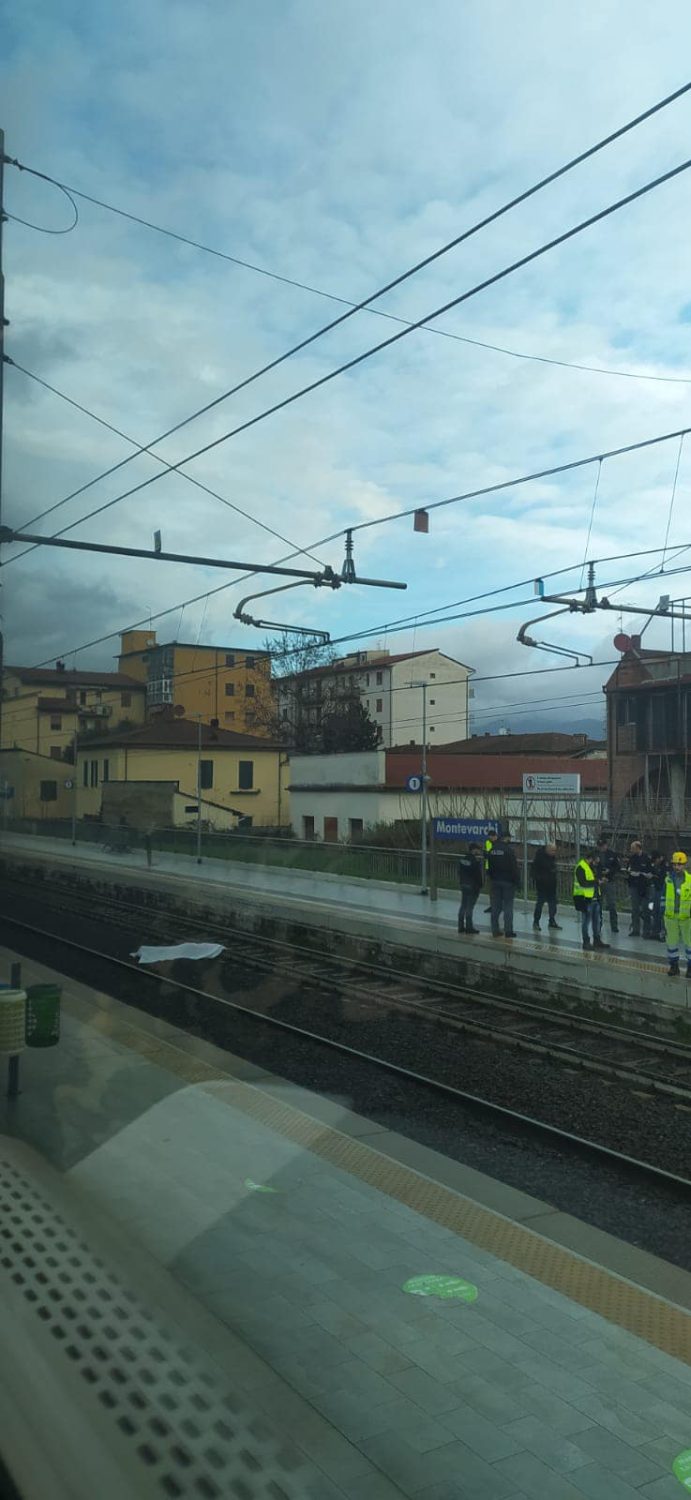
(385, 1322)
(630, 974)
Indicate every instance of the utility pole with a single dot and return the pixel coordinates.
(199, 790)
(2, 375)
(425, 799)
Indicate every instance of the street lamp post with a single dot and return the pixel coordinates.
(199, 790)
(424, 891)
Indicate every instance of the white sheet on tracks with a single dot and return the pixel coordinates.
(147, 955)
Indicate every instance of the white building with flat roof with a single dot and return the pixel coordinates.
(390, 687)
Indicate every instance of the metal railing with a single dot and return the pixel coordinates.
(356, 861)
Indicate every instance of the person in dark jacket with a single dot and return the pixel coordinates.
(607, 869)
(545, 877)
(639, 871)
(470, 876)
(503, 881)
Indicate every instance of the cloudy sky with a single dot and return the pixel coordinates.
(336, 145)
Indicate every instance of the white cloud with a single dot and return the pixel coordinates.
(338, 145)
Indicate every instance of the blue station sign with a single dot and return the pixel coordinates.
(465, 828)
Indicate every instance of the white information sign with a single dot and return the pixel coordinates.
(556, 783)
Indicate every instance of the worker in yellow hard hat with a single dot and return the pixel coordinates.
(678, 912)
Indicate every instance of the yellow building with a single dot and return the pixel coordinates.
(213, 682)
(33, 786)
(43, 708)
(239, 772)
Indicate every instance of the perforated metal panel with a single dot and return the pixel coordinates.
(191, 1435)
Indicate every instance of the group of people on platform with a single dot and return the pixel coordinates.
(659, 892)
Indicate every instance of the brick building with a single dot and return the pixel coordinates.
(648, 725)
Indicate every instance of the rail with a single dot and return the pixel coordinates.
(206, 1001)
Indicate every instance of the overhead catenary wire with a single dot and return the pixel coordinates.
(377, 312)
(474, 679)
(354, 635)
(496, 711)
(78, 405)
(592, 515)
(553, 704)
(509, 484)
(397, 281)
(422, 617)
(395, 338)
(44, 228)
(673, 497)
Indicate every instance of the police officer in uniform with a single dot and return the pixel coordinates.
(503, 881)
(470, 881)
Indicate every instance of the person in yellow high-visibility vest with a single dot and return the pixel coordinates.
(490, 842)
(678, 912)
(586, 899)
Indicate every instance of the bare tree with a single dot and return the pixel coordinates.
(313, 710)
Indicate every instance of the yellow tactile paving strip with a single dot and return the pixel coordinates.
(658, 1322)
(629, 1306)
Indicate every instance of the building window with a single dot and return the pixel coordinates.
(432, 675)
(125, 700)
(206, 774)
(230, 690)
(367, 679)
(249, 690)
(229, 715)
(431, 729)
(94, 773)
(230, 659)
(56, 752)
(98, 695)
(49, 791)
(355, 825)
(284, 713)
(82, 698)
(307, 828)
(106, 770)
(330, 830)
(432, 702)
(85, 773)
(246, 775)
(55, 721)
(380, 705)
(380, 679)
(250, 661)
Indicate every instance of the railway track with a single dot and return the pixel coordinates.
(646, 1171)
(655, 1064)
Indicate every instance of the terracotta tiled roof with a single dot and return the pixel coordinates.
(551, 742)
(482, 772)
(181, 734)
(52, 678)
(375, 663)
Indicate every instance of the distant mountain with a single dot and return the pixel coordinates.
(523, 723)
